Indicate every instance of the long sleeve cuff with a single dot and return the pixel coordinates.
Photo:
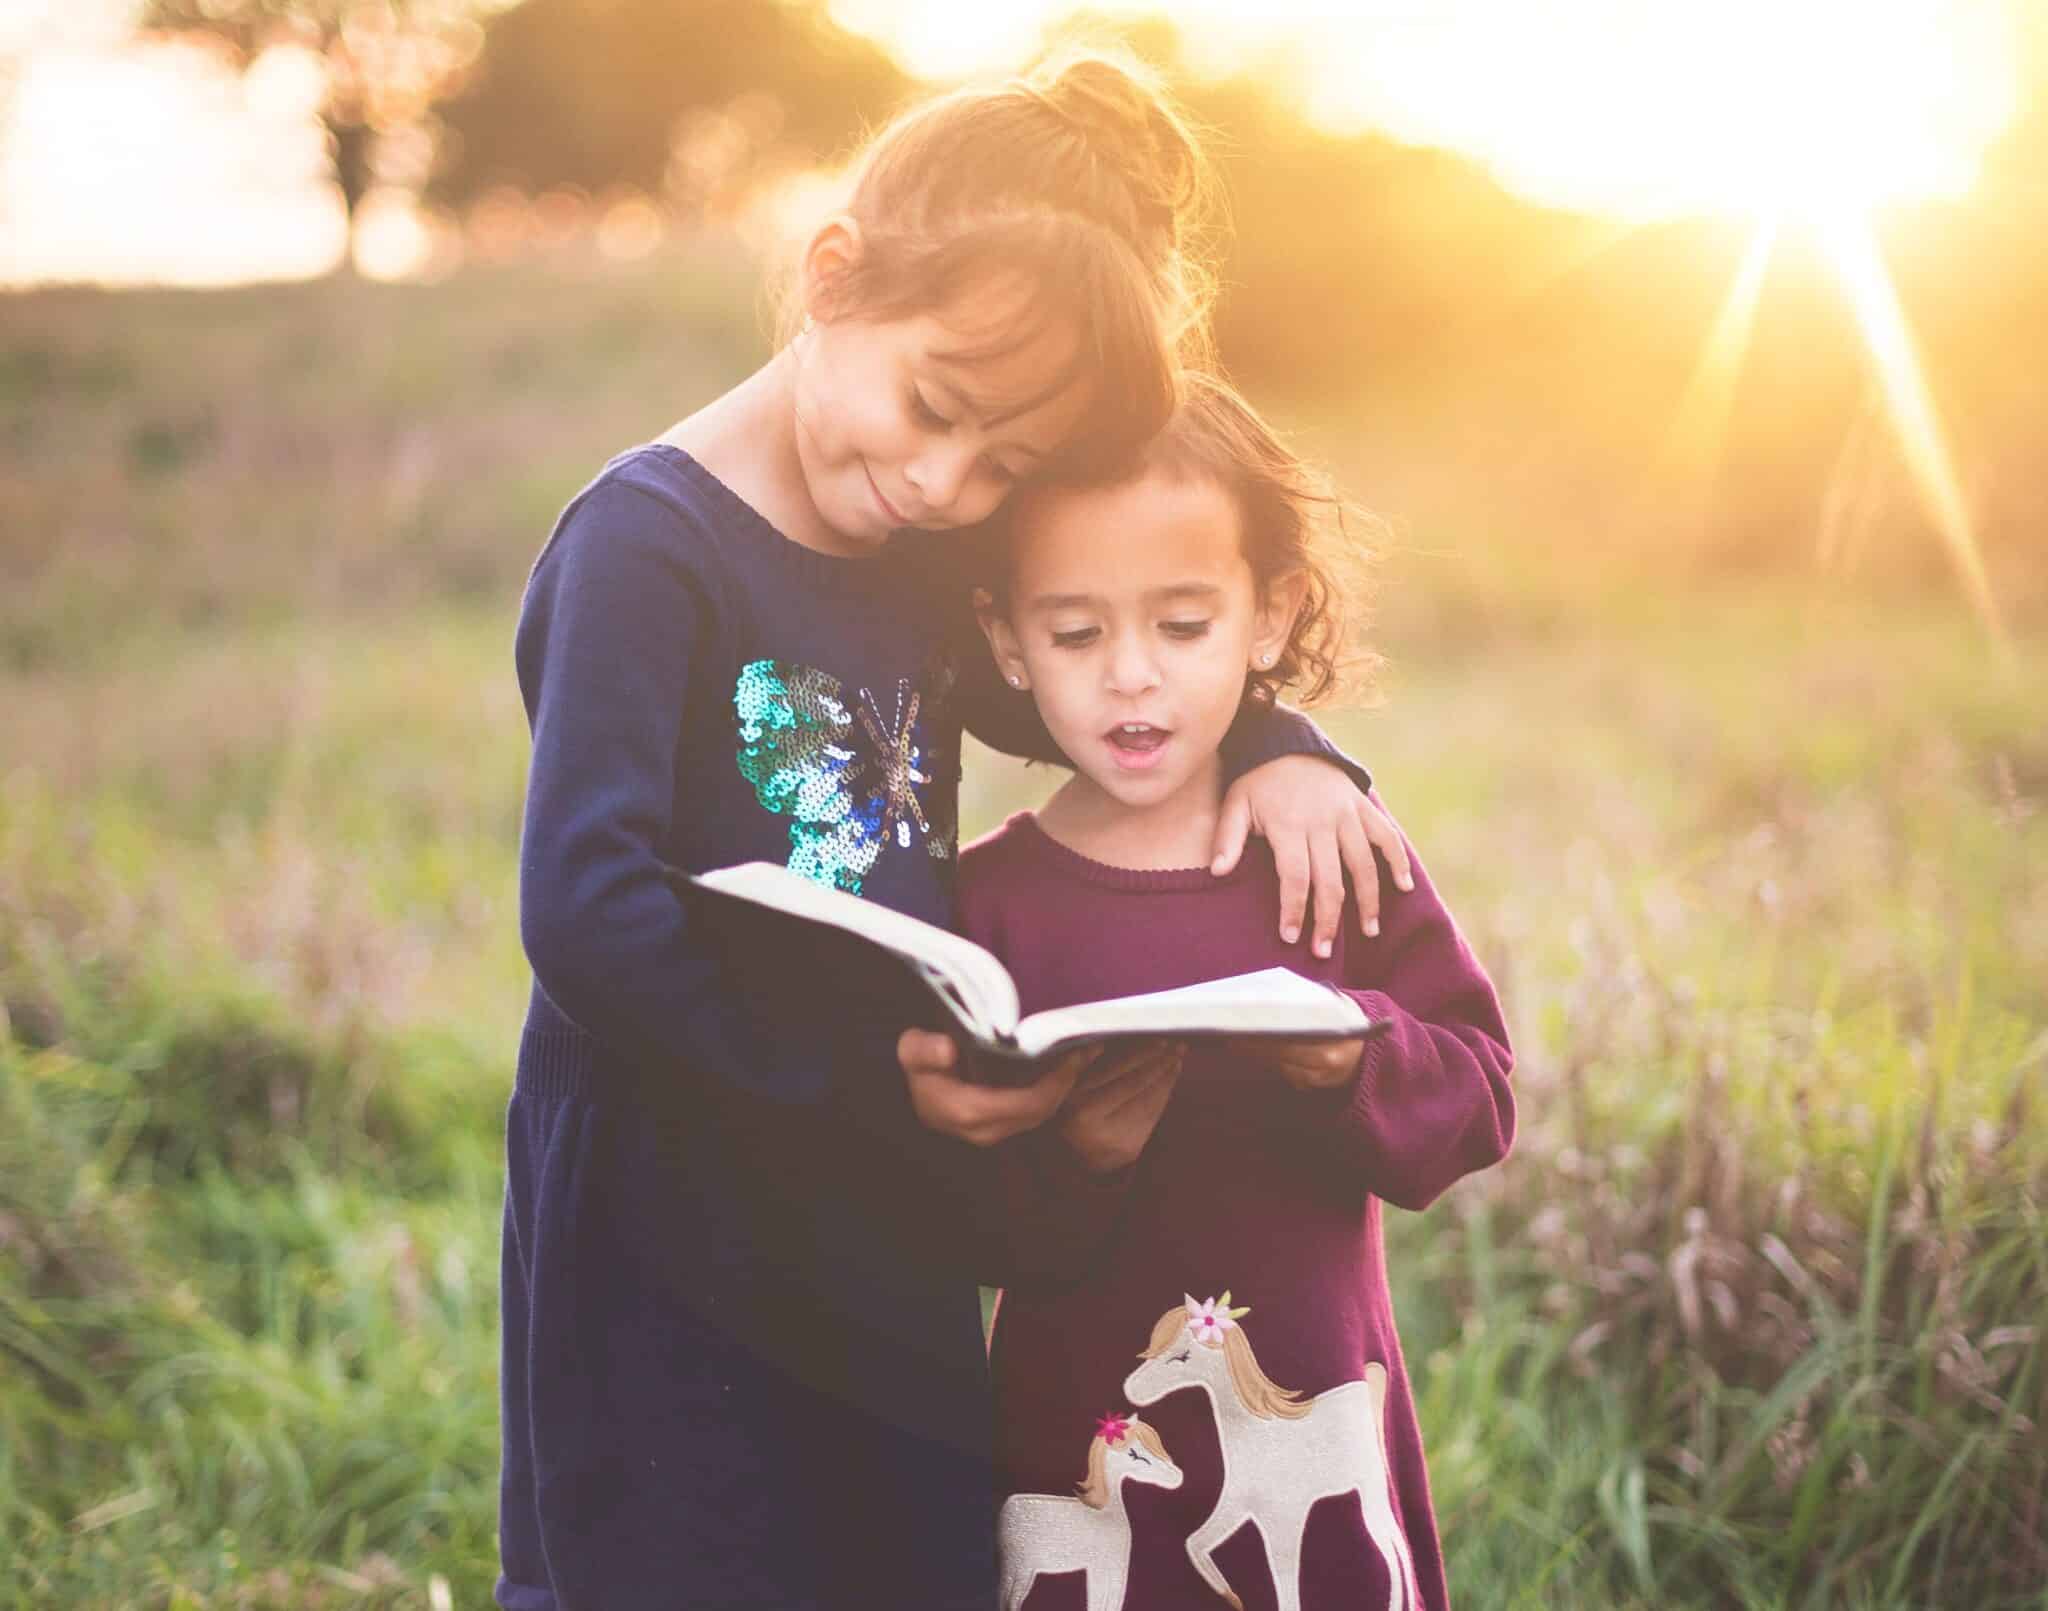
(1431, 1104)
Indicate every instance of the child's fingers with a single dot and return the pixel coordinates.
(1108, 1127)
(1320, 1066)
(926, 1051)
(1141, 1090)
(1290, 861)
(1233, 827)
(1110, 1087)
(1106, 1069)
(1083, 1065)
(1326, 871)
(1365, 877)
(1383, 832)
(1147, 1104)
(984, 1115)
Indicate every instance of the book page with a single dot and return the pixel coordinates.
(1275, 1001)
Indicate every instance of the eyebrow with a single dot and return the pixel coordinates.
(1179, 590)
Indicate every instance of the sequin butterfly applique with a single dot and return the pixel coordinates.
(848, 775)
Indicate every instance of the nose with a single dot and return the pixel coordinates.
(939, 473)
(1133, 668)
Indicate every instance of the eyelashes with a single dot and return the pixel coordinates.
(1179, 631)
(932, 420)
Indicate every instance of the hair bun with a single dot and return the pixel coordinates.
(1078, 182)
(1119, 107)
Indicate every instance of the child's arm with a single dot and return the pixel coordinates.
(622, 608)
(1426, 1101)
(1318, 828)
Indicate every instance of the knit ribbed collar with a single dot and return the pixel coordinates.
(1058, 858)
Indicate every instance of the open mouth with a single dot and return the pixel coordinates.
(1136, 745)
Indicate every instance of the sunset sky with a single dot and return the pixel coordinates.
(1630, 107)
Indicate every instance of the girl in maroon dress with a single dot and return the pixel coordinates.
(1232, 1289)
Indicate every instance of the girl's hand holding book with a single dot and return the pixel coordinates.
(1307, 1065)
(1107, 1106)
(1116, 1105)
(980, 1114)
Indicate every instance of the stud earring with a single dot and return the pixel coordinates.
(1266, 659)
(1016, 681)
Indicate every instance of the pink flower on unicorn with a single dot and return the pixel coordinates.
(1113, 1429)
(1210, 1319)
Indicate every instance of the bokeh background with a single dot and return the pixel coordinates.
(1693, 354)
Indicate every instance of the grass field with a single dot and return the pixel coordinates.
(1752, 1317)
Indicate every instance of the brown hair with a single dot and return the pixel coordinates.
(1093, 1489)
(1080, 184)
(1256, 1391)
(1291, 521)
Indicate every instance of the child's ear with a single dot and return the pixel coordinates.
(1273, 621)
(1002, 639)
(832, 253)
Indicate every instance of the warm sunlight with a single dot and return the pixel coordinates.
(1764, 106)
(1648, 108)
(1853, 251)
(1849, 246)
(1805, 114)
(88, 195)
(1694, 445)
(1792, 108)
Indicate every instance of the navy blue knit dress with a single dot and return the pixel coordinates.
(742, 1350)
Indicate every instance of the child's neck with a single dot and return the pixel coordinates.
(747, 438)
(1176, 832)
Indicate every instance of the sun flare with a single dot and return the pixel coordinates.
(1638, 107)
(1852, 250)
(1768, 107)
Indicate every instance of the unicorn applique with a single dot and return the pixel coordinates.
(1089, 1533)
(1281, 1452)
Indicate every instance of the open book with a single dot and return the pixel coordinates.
(979, 997)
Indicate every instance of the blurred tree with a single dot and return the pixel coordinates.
(387, 61)
(686, 98)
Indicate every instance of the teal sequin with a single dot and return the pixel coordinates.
(848, 778)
